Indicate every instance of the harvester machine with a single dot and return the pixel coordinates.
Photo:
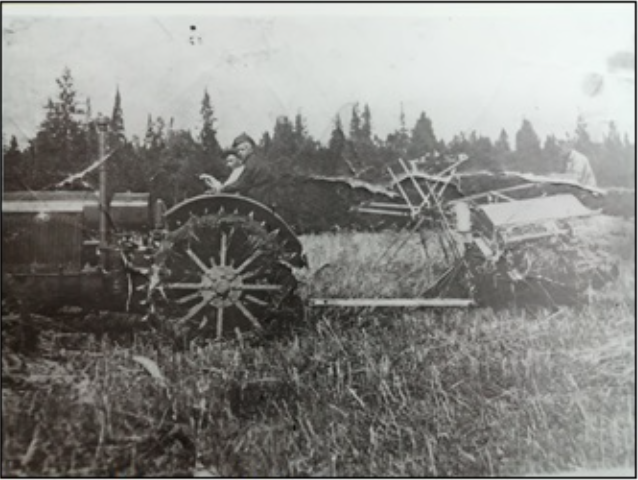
(508, 239)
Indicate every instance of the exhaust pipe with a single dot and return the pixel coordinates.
(102, 127)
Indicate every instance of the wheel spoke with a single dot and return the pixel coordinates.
(248, 261)
(223, 250)
(248, 315)
(197, 261)
(220, 321)
(204, 322)
(194, 310)
(182, 286)
(251, 274)
(255, 300)
(188, 298)
(259, 288)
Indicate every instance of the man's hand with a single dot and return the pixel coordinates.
(211, 182)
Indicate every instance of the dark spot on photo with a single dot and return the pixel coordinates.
(621, 60)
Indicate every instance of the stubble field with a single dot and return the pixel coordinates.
(352, 392)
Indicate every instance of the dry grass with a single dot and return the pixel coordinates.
(354, 393)
(385, 265)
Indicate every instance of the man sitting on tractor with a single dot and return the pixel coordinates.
(236, 166)
(255, 179)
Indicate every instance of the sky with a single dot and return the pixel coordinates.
(482, 67)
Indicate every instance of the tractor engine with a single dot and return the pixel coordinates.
(51, 251)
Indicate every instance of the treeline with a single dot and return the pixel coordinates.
(166, 161)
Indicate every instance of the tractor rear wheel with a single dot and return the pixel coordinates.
(219, 273)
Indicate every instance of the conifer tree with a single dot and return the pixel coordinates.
(13, 166)
(423, 140)
(366, 124)
(355, 123)
(397, 143)
(208, 134)
(265, 143)
(502, 144)
(334, 164)
(527, 141)
(149, 134)
(283, 141)
(117, 132)
(60, 144)
(300, 130)
(212, 161)
(337, 137)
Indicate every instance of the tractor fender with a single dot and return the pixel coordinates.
(238, 205)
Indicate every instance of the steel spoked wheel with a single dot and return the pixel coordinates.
(221, 273)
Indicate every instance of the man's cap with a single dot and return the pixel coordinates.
(241, 139)
(228, 152)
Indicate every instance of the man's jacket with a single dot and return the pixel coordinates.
(255, 181)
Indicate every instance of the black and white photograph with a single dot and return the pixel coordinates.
(319, 240)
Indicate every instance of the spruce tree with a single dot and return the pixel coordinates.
(212, 161)
(13, 166)
(149, 134)
(177, 167)
(366, 124)
(208, 134)
(355, 123)
(117, 133)
(481, 152)
(337, 137)
(127, 169)
(61, 145)
(160, 137)
(265, 143)
(397, 143)
(528, 148)
(502, 144)
(300, 130)
(283, 144)
(334, 164)
(403, 137)
(526, 138)
(423, 140)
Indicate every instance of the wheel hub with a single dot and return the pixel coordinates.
(222, 284)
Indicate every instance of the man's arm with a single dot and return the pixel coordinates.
(255, 175)
(243, 184)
